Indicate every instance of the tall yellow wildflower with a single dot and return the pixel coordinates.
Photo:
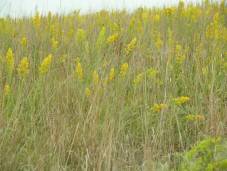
(10, 61)
(151, 73)
(37, 20)
(23, 41)
(79, 70)
(158, 42)
(181, 100)
(195, 117)
(95, 77)
(87, 92)
(45, 65)
(138, 79)
(111, 74)
(131, 46)
(23, 67)
(7, 89)
(113, 38)
(159, 107)
(54, 43)
(123, 69)
(101, 38)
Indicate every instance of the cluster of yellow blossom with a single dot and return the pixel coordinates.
(178, 101)
(111, 74)
(87, 92)
(95, 78)
(158, 43)
(180, 56)
(159, 107)
(101, 38)
(10, 61)
(113, 38)
(23, 67)
(181, 100)
(54, 43)
(79, 70)
(195, 117)
(151, 72)
(7, 89)
(37, 20)
(124, 69)
(131, 46)
(138, 79)
(24, 41)
(45, 65)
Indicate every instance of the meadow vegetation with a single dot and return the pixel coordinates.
(115, 90)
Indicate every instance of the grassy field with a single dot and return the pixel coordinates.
(115, 90)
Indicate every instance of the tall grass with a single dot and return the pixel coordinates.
(111, 90)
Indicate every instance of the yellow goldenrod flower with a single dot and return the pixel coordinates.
(23, 67)
(123, 69)
(79, 70)
(54, 43)
(131, 46)
(169, 11)
(7, 89)
(23, 41)
(10, 61)
(138, 79)
(111, 74)
(195, 117)
(45, 65)
(181, 100)
(151, 72)
(95, 77)
(87, 92)
(37, 20)
(180, 59)
(159, 107)
(101, 38)
(158, 42)
(113, 38)
(178, 49)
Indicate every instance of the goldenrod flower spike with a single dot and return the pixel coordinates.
(113, 38)
(45, 65)
(37, 20)
(159, 107)
(7, 89)
(195, 117)
(54, 43)
(24, 41)
(181, 100)
(23, 67)
(124, 69)
(79, 70)
(10, 61)
(95, 77)
(111, 74)
(87, 92)
(138, 79)
(131, 46)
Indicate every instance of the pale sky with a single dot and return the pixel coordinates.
(28, 7)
